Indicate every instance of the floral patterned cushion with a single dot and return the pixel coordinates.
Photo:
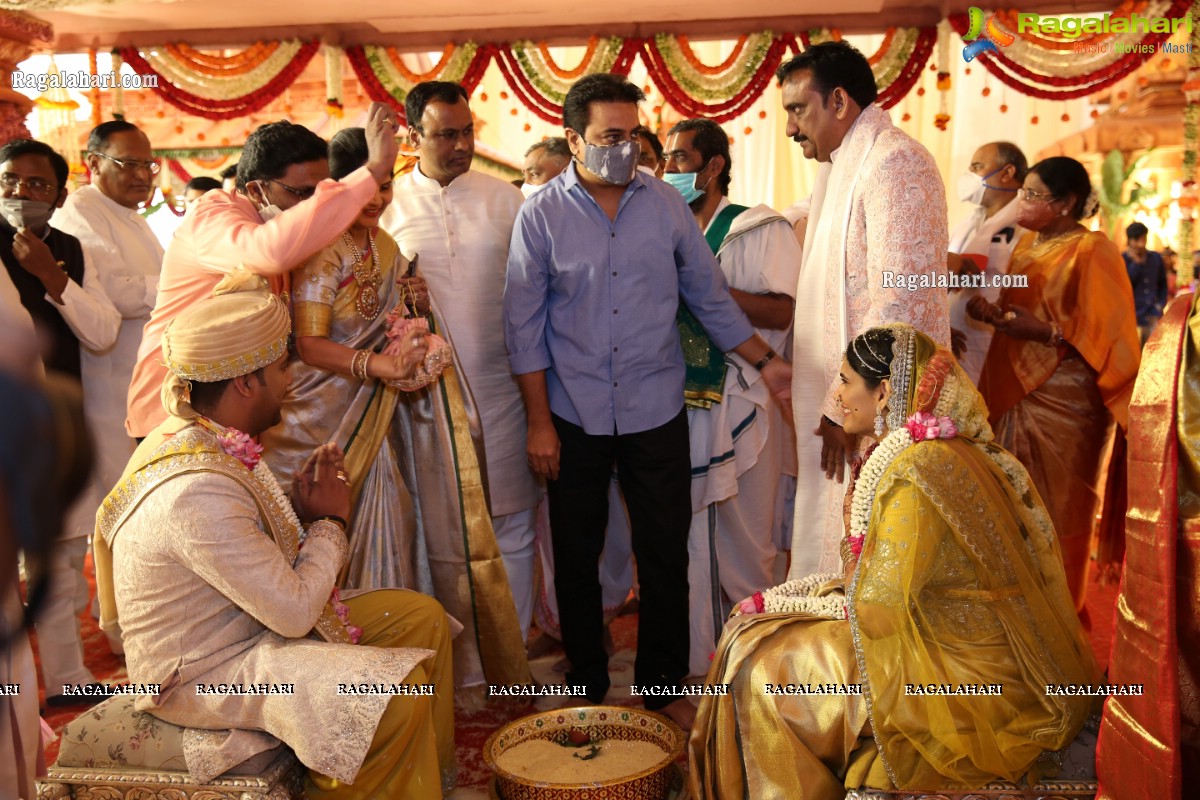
(114, 735)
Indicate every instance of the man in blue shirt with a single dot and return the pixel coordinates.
(1148, 275)
(599, 262)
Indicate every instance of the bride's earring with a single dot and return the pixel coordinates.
(879, 422)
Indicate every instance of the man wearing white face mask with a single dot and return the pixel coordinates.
(600, 259)
(68, 304)
(544, 161)
(740, 442)
(285, 209)
(46, 265)
(983, 243)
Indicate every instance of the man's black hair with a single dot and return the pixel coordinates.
(648, 136)
(427, 92)
(710, 140)
(32, 147)
(202, 183)
(1136, 230)
(835, 64)
(273, 148)
(602, 87)
(229, 172)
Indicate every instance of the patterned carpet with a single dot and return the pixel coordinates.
(473, 728)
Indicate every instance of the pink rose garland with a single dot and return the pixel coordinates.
(925, 426)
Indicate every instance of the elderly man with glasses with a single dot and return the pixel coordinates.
(284, 210)
(125, 256)
(69, 306)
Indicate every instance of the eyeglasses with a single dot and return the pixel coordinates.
(131, 164)
(38, 186)
(303, 194)
(1029, 194)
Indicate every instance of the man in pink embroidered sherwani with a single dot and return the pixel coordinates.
(284, 210)
(876, 234)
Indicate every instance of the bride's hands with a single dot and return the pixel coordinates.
(412, 349)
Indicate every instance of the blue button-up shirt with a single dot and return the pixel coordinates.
(592, 301)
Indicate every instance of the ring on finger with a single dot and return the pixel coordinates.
(341, 476)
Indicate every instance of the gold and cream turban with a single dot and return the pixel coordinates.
(240, 329)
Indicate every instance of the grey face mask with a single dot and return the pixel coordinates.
(615, 164)
(32, 214)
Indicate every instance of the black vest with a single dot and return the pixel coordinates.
(64, 346)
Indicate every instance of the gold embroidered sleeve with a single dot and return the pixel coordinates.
(314, 288)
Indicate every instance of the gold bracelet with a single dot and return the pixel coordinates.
(358, 365)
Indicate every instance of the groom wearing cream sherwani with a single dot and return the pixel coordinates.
(877, 222)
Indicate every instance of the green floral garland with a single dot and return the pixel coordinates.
(720, 87)
(549, 85)
(398, 86)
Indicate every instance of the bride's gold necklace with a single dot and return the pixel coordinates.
(366, 273)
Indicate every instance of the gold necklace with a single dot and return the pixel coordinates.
(368, 277)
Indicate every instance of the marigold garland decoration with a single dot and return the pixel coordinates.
(333, 81)
(215, 66)
(386, 78)
(222, 96)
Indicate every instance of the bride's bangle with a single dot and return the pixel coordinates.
(358, 364)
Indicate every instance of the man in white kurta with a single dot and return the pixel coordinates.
(126, 258)
(457, 224)
(875, 239)
(985, 239)
(738, 445)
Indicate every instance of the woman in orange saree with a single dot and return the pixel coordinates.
(1061, 369)
(929, 670)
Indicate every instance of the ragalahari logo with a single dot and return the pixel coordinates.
(983, 36)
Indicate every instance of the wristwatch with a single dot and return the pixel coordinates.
(766, 359)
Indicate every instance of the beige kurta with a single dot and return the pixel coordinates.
(206, 596)
(461, 234)
(877, 218)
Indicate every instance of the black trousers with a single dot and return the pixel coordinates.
(654, 468)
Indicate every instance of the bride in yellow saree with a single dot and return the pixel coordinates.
(930, 669)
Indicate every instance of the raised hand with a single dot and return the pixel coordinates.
(382, 148)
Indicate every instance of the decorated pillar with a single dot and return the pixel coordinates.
(1191, 142)
(20, 35)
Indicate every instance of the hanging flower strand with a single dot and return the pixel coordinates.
(942, 119)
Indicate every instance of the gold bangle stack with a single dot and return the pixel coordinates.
(358, 364)
(847, 553)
